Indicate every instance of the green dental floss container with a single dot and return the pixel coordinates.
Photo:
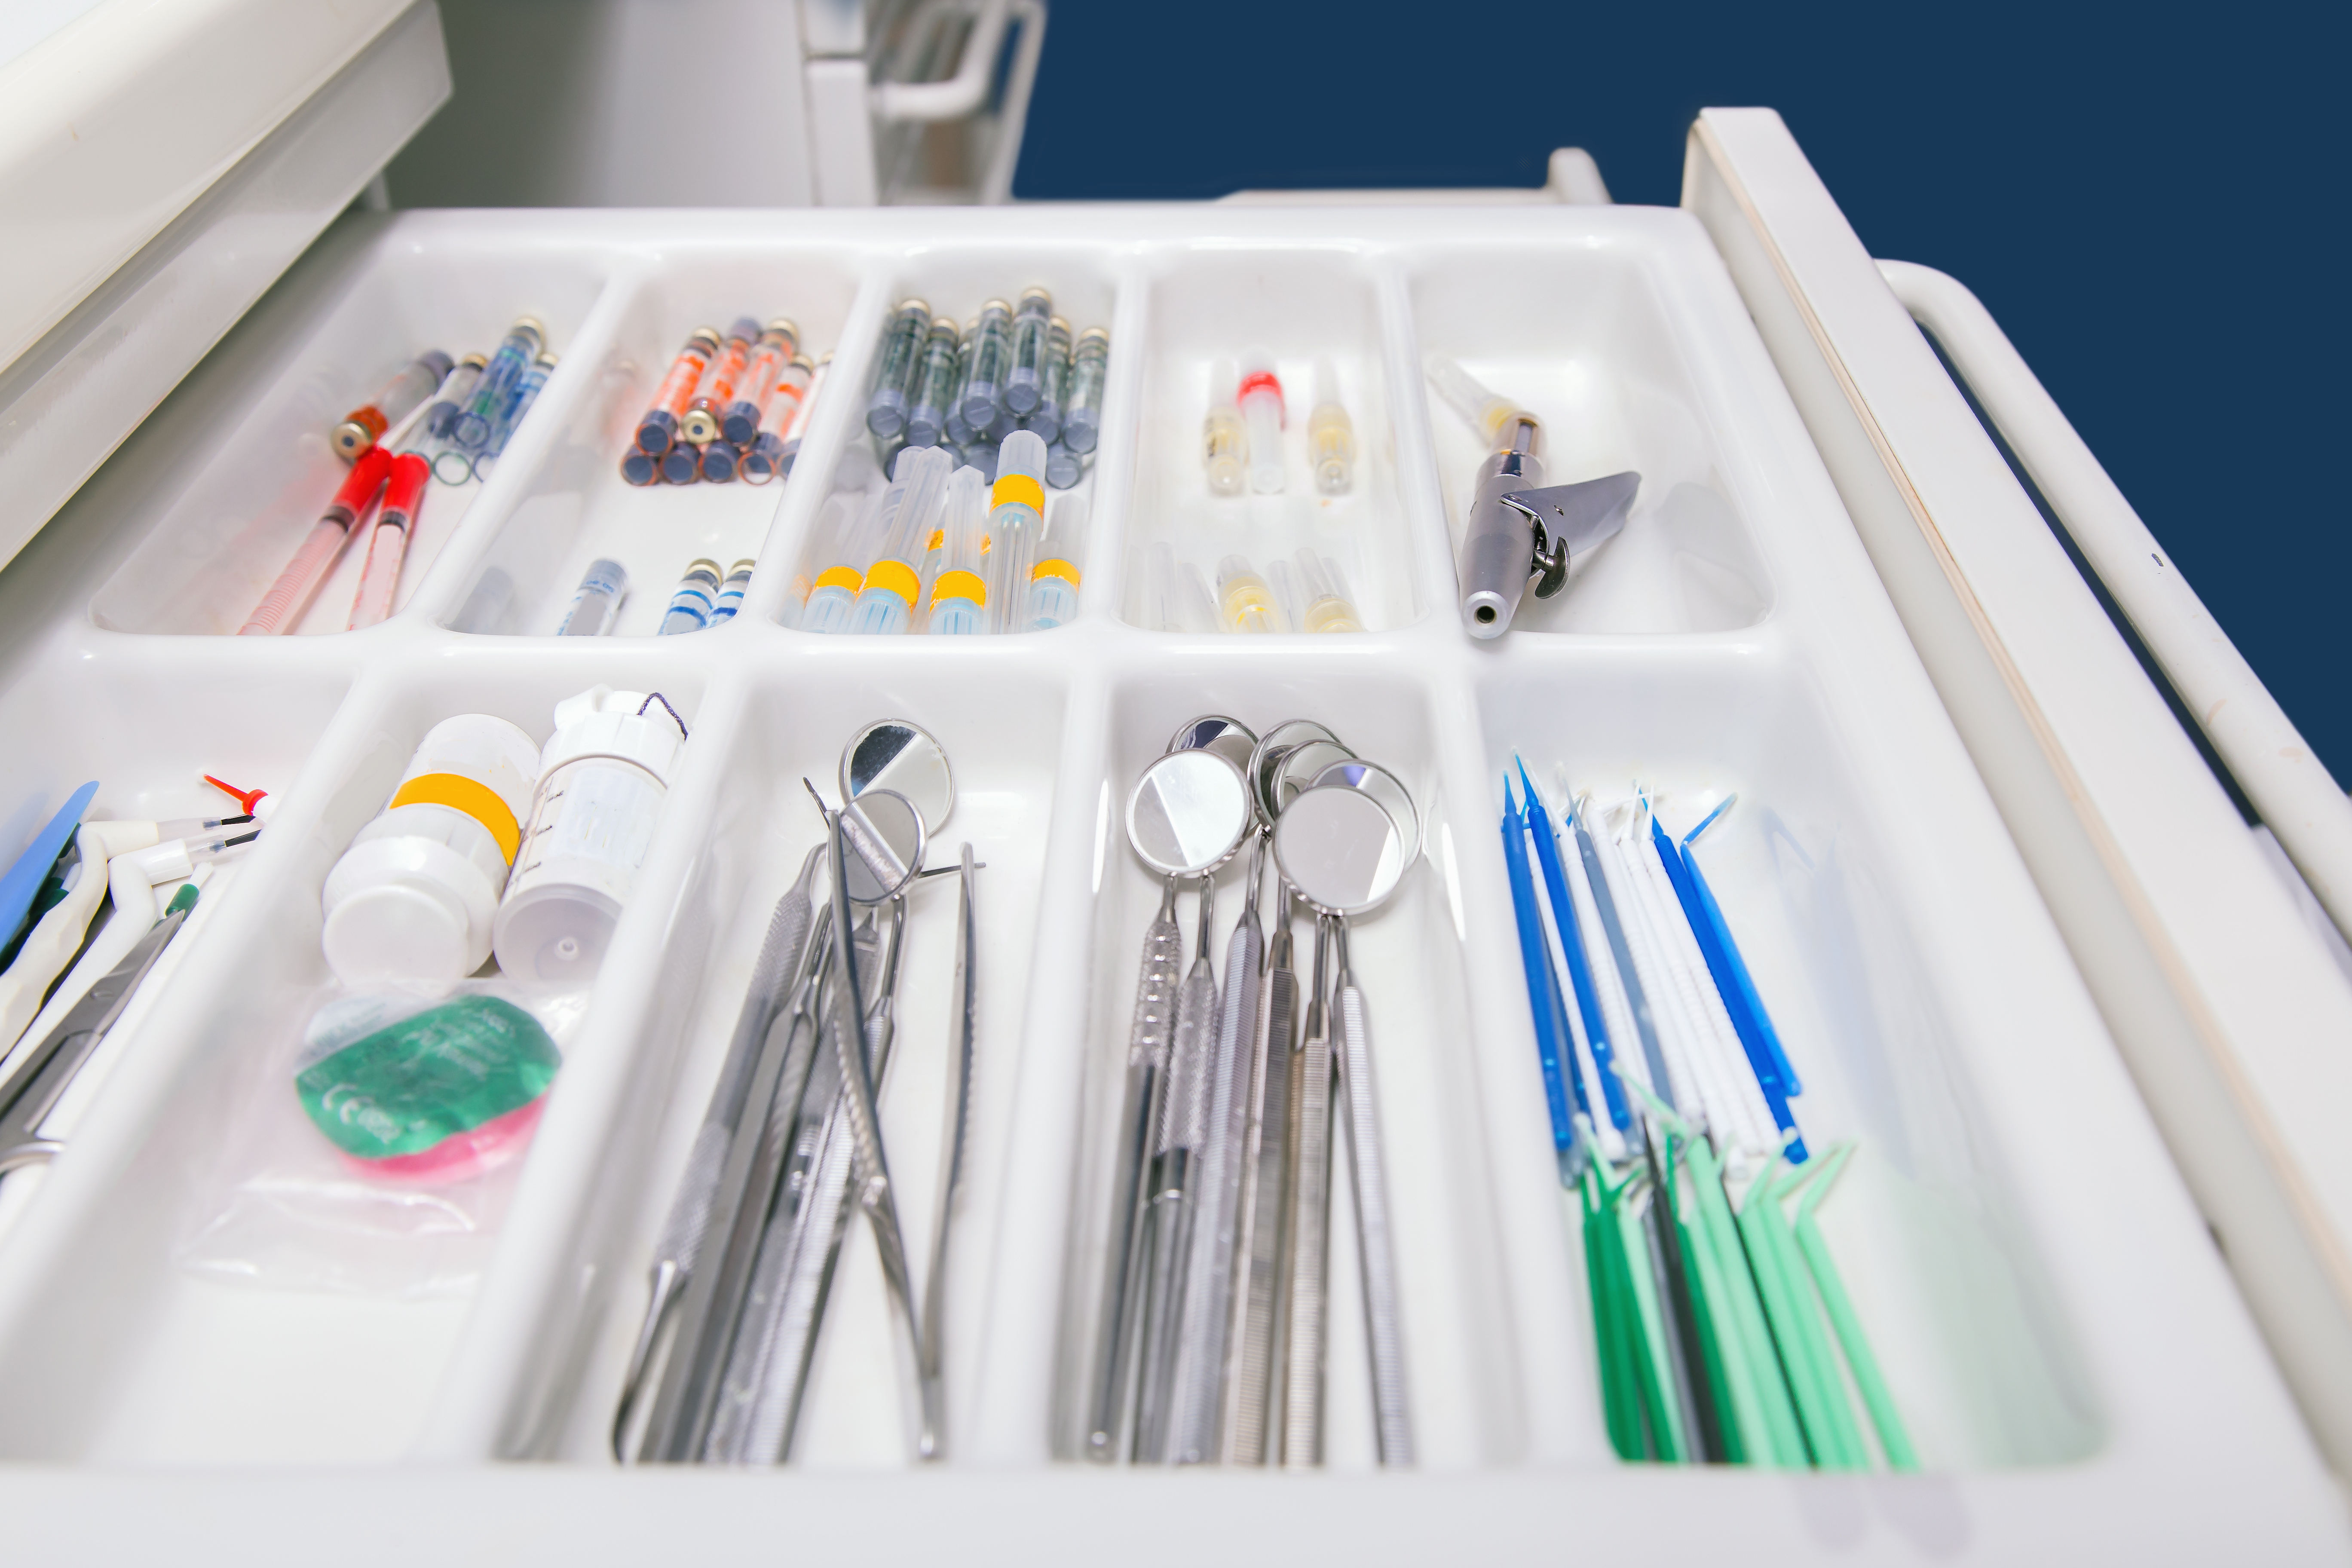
(436, 1095)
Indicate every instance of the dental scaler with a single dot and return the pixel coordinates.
(1517, 531)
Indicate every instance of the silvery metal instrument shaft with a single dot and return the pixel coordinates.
(1209, 1290)
(1252, 1339)
(963, 1002)
(1375, 1238)
(1184, 1125)
(735, 1427)
(773, 973)
(1497, 540)
(871, 1174)
(1124, 1262)
(808, 1240)
(707, 1314)
(1307, 1266)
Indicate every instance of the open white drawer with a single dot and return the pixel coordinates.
(2059, 1331)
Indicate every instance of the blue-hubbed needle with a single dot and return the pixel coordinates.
(1543, 989)
(1571, 944)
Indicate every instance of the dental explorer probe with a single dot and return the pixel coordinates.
(772, 974)
(1376, 1249)
(1307, 1260)
(1253, 1347)
(965, 1000)
(712, 1303)
(1209, 1285)
(1183, 1125)
(1148, 1040)
(770, 1380)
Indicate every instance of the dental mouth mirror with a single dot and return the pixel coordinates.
(896, 755)
(1271, 748)
(1229, 738)
(1344, 855)
(1371, 779)
(1339, 850)
(1297, 767)
(1188, 813)
(886, 838)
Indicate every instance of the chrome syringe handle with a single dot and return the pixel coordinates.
(1498, 542)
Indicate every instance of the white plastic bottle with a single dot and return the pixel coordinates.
(415, 896)
(602, 780)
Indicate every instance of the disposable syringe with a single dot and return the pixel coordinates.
(833, 593)
(283, 605)
(838, 518)
(404, 494)
(893, 581)
(1054, 580)
(392, 402)
(959, 593)
(1015, 516)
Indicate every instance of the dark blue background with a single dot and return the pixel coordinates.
(2150, 203)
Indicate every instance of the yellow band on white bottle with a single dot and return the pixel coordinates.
(1062, 568)
(476, 799)
(841, 577)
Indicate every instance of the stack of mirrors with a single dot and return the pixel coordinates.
(1213, 1318)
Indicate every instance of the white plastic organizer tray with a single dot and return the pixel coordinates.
(2058, 1331)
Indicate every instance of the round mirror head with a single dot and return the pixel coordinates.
(1383, 786)
(1229, 738)
(1295, 769)
(1187, 814)
(1339, 850)
(884, 836)
(1271, 747)
(893, 754)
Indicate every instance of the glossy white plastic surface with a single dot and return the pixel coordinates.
(2064, 1343)
(161, 166)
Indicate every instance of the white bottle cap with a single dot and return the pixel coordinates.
(602, 723)
(403, 908)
